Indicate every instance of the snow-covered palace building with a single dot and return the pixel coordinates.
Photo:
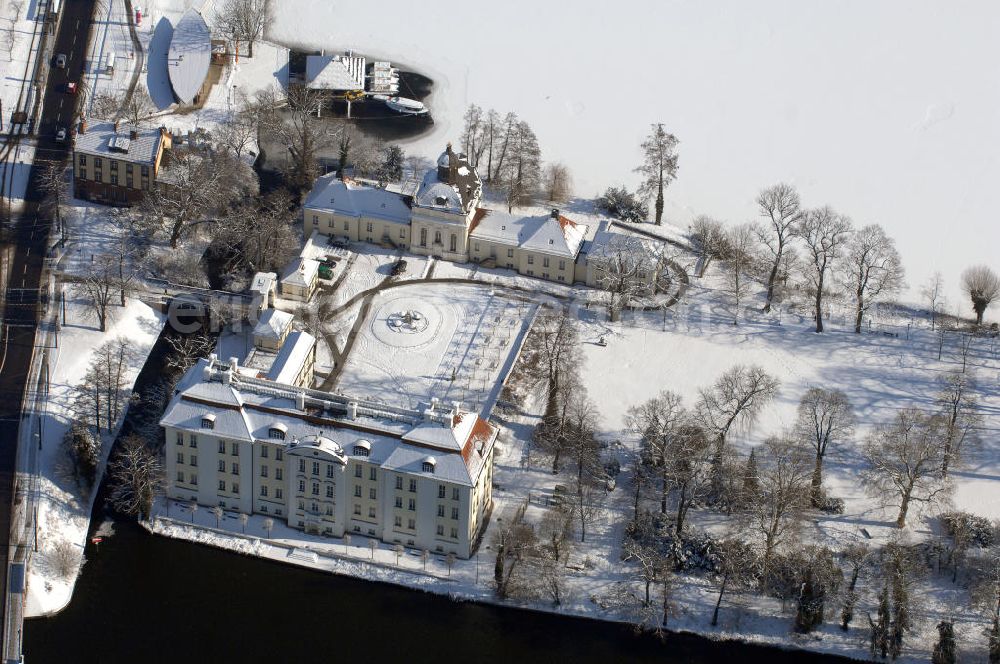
(328, 464)
(441, 217)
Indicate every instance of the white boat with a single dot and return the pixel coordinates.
(406, 106)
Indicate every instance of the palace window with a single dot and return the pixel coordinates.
(413, 486)
(441, 491)
(329, 492)
(371, 494)
(263, 471)
(399, 482)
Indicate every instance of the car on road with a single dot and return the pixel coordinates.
(60, 134)
(61, 61)
(70, 88)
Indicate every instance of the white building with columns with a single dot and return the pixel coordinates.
(329, 464)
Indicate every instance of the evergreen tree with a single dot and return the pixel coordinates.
(391, 168)
(750, 487)
(659, 165)
(944, 651)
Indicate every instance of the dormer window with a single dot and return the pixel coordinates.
(277, 431)
(362, 448)
(208, 421)
(427, 466)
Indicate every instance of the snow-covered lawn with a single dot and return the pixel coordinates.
(64, 505)
(454, 349)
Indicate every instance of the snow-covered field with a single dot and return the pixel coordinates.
(880, 111)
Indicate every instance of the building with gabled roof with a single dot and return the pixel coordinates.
(441, 217)
(340, 73)
(117, 164)
(327, 463)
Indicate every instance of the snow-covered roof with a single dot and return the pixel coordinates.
(351, 199)
(300, 272)
(263, 282)
(551, 234)
(292, 356)
(103, 140)
(189, 56)
(272, 324)
(247, 409)
(335, 72)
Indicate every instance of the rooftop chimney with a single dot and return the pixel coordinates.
(133, 134)
(83, 126)
(116, 126)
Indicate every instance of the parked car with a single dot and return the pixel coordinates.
(60, 134)
(399, 268)
(61, 61)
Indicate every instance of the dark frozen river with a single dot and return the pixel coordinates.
(143, 598)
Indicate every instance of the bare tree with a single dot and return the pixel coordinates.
(781, 206)
(557, 182)
(555, 534)
(711, 240)
(197, 186)
(243, 21)
(736, 398)
(957, 400)
(783, 492)
(824, 232)
(398, 549)
(625, 268)
(449, 560)
(16, 6)
(552, 575)
(741, 242)
(137, 107)
(824, 417)
(301, 130)
(258, 233)
(99, 285)
(512, 543)
(986, 598)
(474, 139)
(678, 450)
(218, 513)
(137, 477)
(659, 421)
(658, 167)
(187, 349)
(65, 559)
(904, 460)
(933, 294)
(871, 269)
(737, 569)
(588, 503)
(552, 348)
(649, 561)
(56, 188)
(857, 557)
(982, 286)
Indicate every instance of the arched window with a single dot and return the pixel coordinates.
(428, 464)
(362, 448)
(208, 421)
(277, 431)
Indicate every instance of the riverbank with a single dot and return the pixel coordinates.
(208, 605)
(471, 580)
